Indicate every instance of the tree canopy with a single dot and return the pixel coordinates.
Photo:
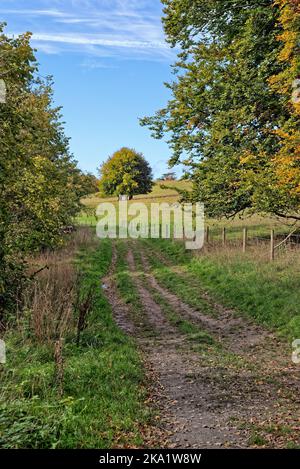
(126, 172)
(40, 187)
(230, 118)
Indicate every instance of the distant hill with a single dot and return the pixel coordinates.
(161, 190)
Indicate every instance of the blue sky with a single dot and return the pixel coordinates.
(109, 60)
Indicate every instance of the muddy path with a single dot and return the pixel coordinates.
(120, 310)
(206, 396)
(236, 334)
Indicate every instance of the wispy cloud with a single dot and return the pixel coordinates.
(127, 26)
(98, 41)
(34, 13)
(47, 48)
(93, 64)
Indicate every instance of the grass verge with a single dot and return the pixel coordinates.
(264, 291)
(102, 405)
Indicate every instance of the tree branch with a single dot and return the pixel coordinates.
(287, 217)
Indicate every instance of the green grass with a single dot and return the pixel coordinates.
(102, 405)
(193, 332)
(128, 290)
(269, 434)
(125, 283)
(263, 291)
(164, 192)
(267, 292)
(179, 285)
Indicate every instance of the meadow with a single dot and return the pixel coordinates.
(258, 226)
(78, 377)
(248, 281)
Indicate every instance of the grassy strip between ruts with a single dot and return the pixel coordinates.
(102, 404)
(266, 292)
(129, 293)
(192, 331)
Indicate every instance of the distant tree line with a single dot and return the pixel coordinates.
(233, 118)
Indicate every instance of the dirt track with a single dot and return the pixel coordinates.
(222, 395)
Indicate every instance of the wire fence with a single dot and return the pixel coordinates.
(277, 242)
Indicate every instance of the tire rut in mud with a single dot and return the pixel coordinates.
(191, 414)
(120, 310)
(235, 333)
(202, 401)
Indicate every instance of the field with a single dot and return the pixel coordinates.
(166, 332)
(164, 192)
(218, 332)
(246, 280)
(217, 328)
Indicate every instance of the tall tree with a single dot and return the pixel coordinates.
(125, 172)
(223, 108)
(286, 162)
(38, 189)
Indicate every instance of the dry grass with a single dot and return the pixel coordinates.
(83, 237)
(50, 298)
(59, 396)
(50, 302)
(257, 251)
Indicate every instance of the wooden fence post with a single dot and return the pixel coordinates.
(224, 236)
(167, 232)
(207, 235)
(272, 251)
(245, 238)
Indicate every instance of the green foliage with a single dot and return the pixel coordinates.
(103, 401)
(87, 184)
(40, 185)
(126, 172)
(223, 108)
